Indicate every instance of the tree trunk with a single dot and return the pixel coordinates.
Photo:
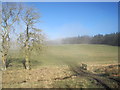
(4, 62)
(27, 62)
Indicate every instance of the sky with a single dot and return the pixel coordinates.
(69, 19)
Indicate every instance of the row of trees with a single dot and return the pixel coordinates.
(109, 39)
(77, 40)
(30, 40)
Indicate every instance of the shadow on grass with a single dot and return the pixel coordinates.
(8, 63)
(11, 62)
(20, 62)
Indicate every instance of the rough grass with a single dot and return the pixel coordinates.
(51, 68)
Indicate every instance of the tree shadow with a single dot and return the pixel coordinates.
(23, 62)
(18, 62)
(14, 61)
(8, 63)
(32, 63)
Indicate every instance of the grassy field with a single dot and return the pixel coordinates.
(56, 67)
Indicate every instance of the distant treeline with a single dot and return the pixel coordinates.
(108, 39)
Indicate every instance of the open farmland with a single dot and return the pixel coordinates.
(60, 67)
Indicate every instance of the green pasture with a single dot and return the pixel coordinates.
(65, 54)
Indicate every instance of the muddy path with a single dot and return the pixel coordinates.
(116, 80)
(105, 82)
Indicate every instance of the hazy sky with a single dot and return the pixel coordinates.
(66, 19)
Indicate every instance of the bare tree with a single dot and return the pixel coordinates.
(32, 39)
(10, 14)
